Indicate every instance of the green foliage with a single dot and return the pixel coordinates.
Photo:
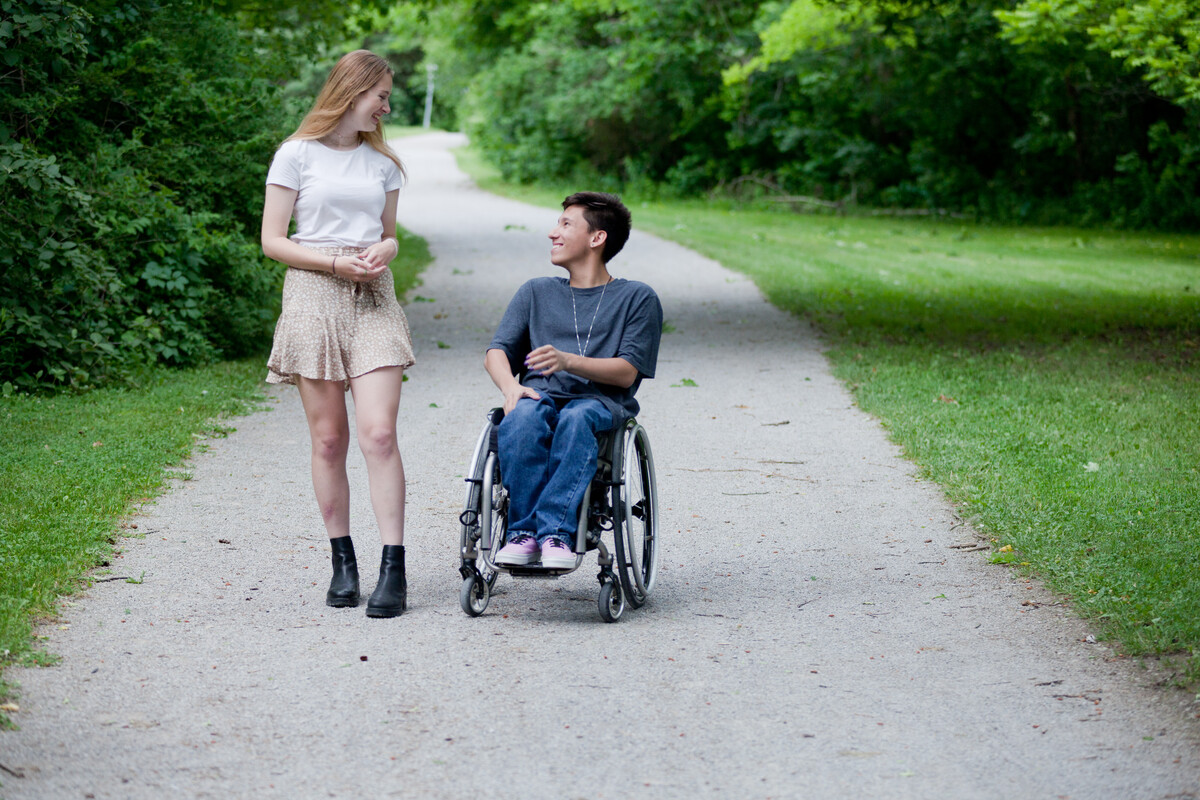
(806, 25)
(40, 39)
(621, 89)
(1050, 112)
(271, 15)
(1158, 38)
(134, 139)
(931, 107)
(135, 136)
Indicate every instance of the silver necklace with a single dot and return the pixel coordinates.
(352, 139)
(583, 347)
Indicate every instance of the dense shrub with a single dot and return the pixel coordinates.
(624, 91)
(927, 105)
(134, 138)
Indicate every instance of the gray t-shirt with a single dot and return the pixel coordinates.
(622, 319)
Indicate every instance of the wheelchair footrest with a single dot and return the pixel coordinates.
(535, 571)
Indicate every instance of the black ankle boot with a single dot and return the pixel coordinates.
(343, 588)
(390, 597)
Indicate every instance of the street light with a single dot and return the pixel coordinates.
(430, 70)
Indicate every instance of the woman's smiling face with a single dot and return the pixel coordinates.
(370, 107)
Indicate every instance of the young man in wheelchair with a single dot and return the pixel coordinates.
(568, 357)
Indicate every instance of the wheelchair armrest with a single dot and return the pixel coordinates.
(494, 417)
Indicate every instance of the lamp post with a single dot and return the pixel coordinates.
(430, 71)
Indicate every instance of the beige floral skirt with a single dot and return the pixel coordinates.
(333, 329)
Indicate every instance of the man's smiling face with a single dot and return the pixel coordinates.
(572, 239)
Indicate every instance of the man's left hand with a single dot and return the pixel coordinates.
(546, 360)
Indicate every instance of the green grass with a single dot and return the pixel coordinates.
(411, 258)
(400, 131)
(74, 467)
(1046, 378)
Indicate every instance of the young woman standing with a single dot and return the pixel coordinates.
(341, 327)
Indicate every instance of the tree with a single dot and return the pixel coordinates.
(1160, 39)
(134, 136)
(928, 104)
(623, 89)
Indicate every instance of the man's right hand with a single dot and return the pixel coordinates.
(496, 363)
(511, 396)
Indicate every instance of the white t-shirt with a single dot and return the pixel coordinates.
(341, 192)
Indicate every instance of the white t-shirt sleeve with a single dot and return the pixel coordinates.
(394, 179)
(285, 166)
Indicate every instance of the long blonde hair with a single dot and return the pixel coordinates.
(353, 74)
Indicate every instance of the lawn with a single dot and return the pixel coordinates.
(1047, 379)
(75, 467)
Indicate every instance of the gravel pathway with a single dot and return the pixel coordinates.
(823, 626)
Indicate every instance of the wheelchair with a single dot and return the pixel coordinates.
(622, 498)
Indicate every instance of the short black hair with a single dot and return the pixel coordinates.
(604, 212)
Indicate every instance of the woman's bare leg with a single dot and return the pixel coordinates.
(329, 427)
(376, 404)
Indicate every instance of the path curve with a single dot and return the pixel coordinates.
(817, 630)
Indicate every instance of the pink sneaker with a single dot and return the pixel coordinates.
(555, 553)
(521, 549)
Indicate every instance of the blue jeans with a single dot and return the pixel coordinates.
(547, 453)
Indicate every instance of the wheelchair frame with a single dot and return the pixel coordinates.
(622, 497)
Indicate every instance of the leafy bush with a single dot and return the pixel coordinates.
(937, 109)
(620, 90)
(1057, 111)
(134, 140)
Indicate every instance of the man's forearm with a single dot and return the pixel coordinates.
(498, 369)
(610, 371)
(547, 360)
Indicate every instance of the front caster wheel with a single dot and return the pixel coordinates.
(475, 594)
(612, 601)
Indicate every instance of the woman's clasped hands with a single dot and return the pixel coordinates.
(369, 264)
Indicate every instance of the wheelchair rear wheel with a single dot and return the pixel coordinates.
(636, 517)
